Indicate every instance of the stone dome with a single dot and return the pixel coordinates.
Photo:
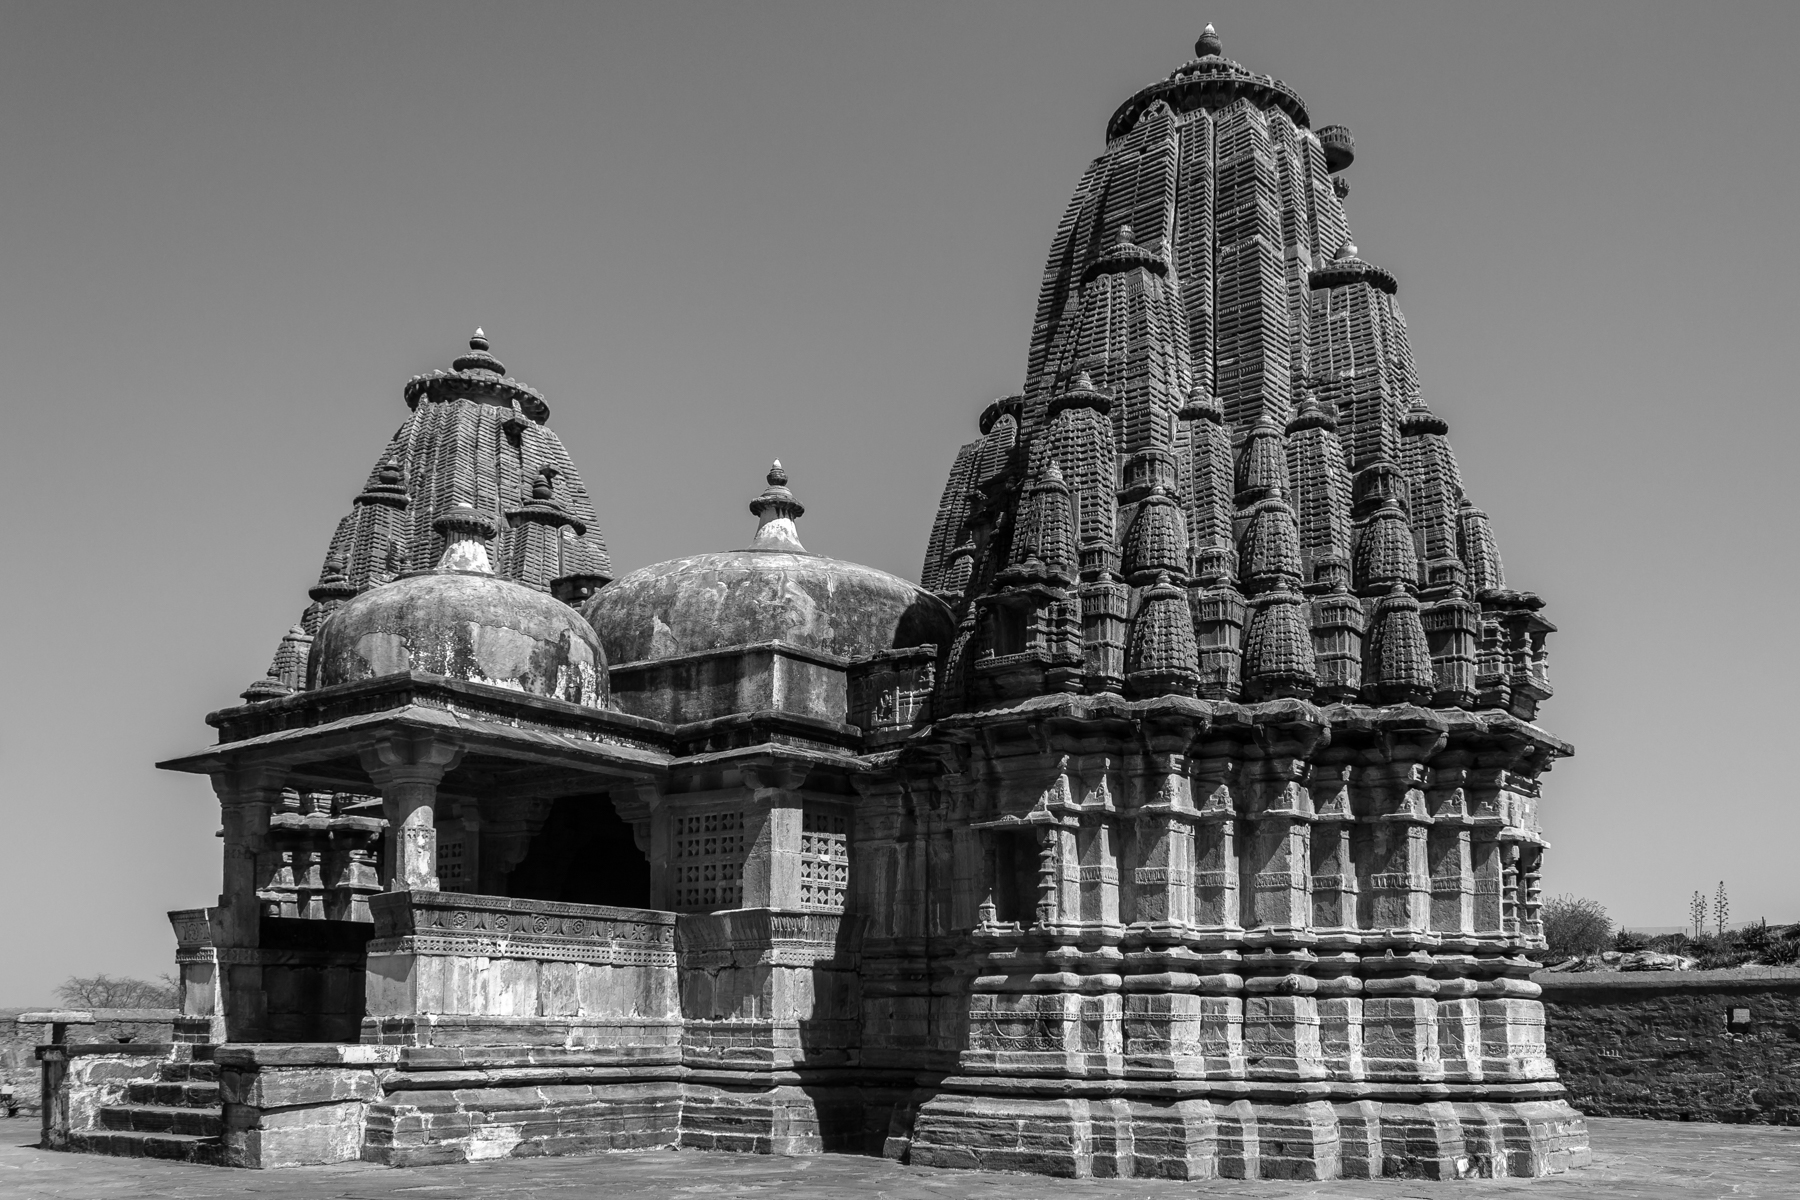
(463, 621)
(772, 590)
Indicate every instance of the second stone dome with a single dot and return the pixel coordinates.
(773, 590)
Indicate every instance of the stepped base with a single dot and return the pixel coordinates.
(179, 1147)
(1119, 1137)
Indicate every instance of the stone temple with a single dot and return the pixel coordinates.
(1181, 823)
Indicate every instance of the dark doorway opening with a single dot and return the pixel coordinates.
(584, 854)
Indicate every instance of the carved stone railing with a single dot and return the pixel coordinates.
(457, 923)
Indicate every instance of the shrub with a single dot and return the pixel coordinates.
(1575, 925)
(1627, 942)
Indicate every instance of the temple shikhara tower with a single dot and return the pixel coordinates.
(1181, 822)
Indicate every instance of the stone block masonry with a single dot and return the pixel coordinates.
(1685, 1046)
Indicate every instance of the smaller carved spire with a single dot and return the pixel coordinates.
(1278, 647)
(466, 532)
(1160, 656)
(958, 570)
(1386, 556)
(1156, 544)
(1269, 554)
(1262, 465)
(1081, 394)
(1043, 547)
(389, 487)
(287, 673)
(1397, 666)
(1208, 44)
(333, 587)
(1475, 544)
(1420, 421)
(776, 511)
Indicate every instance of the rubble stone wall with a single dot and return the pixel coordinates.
(1681, 1046)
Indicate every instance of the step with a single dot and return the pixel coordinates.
(173, 1095)
(181, 1147)
(189, 1072)
(153, 1118)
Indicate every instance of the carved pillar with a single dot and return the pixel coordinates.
(772, 820)
(408, 769)
(247, 797)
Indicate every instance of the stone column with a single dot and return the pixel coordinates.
(408, 770)
(247, 797)
(772, 820)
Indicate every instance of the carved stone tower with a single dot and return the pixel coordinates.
(1242, 805)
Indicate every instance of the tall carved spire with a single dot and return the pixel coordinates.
(475, 436)
(1203, 292)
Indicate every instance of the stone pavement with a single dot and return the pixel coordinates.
(1631, 1159)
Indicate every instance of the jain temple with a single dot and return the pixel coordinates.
(1182, 821)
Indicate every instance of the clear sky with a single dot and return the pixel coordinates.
(717, 234)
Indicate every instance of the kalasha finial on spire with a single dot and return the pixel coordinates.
(479, 341)
(776, 511)
(466, 531)
(1208, 43)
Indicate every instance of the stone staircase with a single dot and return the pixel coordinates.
(177, 1115)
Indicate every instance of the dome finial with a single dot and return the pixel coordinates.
(1209, 42)
(776, 511)
(465, 531)
(479, 341)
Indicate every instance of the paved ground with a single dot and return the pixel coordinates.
(1632, 1159)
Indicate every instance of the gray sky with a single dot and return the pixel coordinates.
(716, 234)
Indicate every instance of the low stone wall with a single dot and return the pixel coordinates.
(1678, 1046)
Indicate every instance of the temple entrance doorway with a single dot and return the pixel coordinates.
(584, 854)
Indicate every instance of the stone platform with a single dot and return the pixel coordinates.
(1636, 1159)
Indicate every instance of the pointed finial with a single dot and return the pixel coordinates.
(1083, 382)
(479, 341)
(776, 511)
(1125, 233)
(389, 472)
(1208, 43)
(1347, 250)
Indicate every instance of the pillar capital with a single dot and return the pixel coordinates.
(405, 757)
(778, 776)
(249, 785)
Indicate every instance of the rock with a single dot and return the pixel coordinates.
(1651, 960)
